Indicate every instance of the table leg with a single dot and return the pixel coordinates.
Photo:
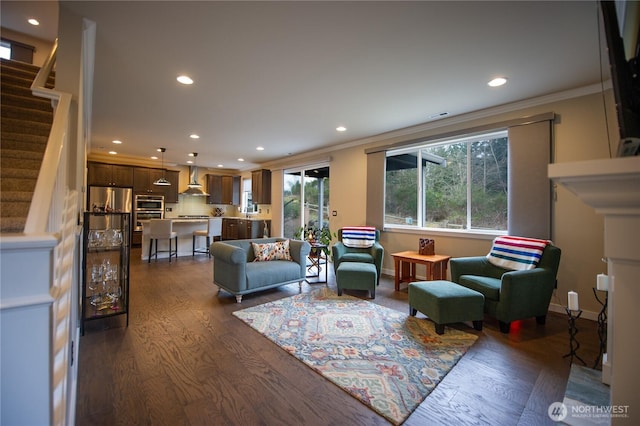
(397, 267)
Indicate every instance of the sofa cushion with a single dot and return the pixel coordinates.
(271, 251)
(489, 287)
(357, 257)
(261, 274)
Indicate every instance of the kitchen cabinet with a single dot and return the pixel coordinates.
(105, 266)
(240, 229)
(223, 189)
(171, 192)
(261, 186)
(101, 174)
(144, 177)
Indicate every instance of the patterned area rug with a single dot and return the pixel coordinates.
(388, 360)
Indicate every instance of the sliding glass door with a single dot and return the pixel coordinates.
(305, 199)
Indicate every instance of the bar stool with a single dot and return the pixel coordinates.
(214, 229)
(162, 229)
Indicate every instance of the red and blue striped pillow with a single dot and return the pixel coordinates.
(358, 236)
(517, 253)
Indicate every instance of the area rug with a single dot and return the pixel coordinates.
(388, 360)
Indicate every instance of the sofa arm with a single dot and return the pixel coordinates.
(377, 252)
(228, 253)
(525, 294)
(337, 251)
(299, 251)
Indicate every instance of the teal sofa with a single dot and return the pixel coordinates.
(510, 295)
(235, 271)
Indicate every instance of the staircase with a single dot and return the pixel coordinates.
(25, 126)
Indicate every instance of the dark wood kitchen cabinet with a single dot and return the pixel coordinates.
(101, 174)
(240, 229)
(144, 177)
(261, 187)
(223, 189)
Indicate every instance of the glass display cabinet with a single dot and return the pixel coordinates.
(105, 266)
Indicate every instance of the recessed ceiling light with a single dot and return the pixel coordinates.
(240, 159)
(112, 152)
(498, 81)
(184, 79)
(153, 157)
(260, 148)
(33, 21)
(117, 142)
(191, 154)
(194, 136)
(220, 165)
(341, 129)
(189, 161)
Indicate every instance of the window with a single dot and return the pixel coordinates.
(453, 184)
(305, 199)
(246, 205)
(5, 50)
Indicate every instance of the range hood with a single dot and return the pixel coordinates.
(195, 189)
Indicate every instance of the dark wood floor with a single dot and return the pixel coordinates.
(185, 360)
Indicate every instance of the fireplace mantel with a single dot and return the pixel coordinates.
(612, 188)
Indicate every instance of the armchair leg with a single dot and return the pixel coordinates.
(477, 325)
(238, 298)
(542, 319)
(412, 311)
(440, 328)
(504, 327)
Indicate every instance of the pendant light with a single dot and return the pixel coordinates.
(162, 181)
(194, 176)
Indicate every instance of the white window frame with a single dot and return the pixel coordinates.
(468, 139)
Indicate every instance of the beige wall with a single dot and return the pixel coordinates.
(579, 134)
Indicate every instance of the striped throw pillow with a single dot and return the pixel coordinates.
(517, 253)
(358, 236)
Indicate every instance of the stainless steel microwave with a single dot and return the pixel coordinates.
(149, 203)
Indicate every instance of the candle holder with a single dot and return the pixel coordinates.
(602, 325)
(574, 345)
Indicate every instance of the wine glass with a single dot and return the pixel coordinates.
(96, 277)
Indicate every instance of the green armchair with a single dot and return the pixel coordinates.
(373, 254)
(510, 295)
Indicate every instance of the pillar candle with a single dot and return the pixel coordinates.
(573, 301)
(603, 282)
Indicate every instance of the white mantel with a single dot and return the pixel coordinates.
(612, 188)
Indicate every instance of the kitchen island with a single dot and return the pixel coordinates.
(233, 228)
(184, 227)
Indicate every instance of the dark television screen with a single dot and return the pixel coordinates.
(624, 70)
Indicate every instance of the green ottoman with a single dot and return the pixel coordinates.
(357, 276)
(446, 303)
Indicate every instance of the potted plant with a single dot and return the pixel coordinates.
(314, 235)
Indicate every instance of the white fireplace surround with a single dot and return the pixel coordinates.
(612, 188)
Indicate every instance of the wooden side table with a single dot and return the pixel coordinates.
(405, 266)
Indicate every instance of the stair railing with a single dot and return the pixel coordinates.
(48, 198)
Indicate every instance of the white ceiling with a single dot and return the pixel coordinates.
(284, 75)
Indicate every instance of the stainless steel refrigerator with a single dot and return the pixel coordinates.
(110, 199)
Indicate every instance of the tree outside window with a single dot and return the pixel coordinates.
(459, 184)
